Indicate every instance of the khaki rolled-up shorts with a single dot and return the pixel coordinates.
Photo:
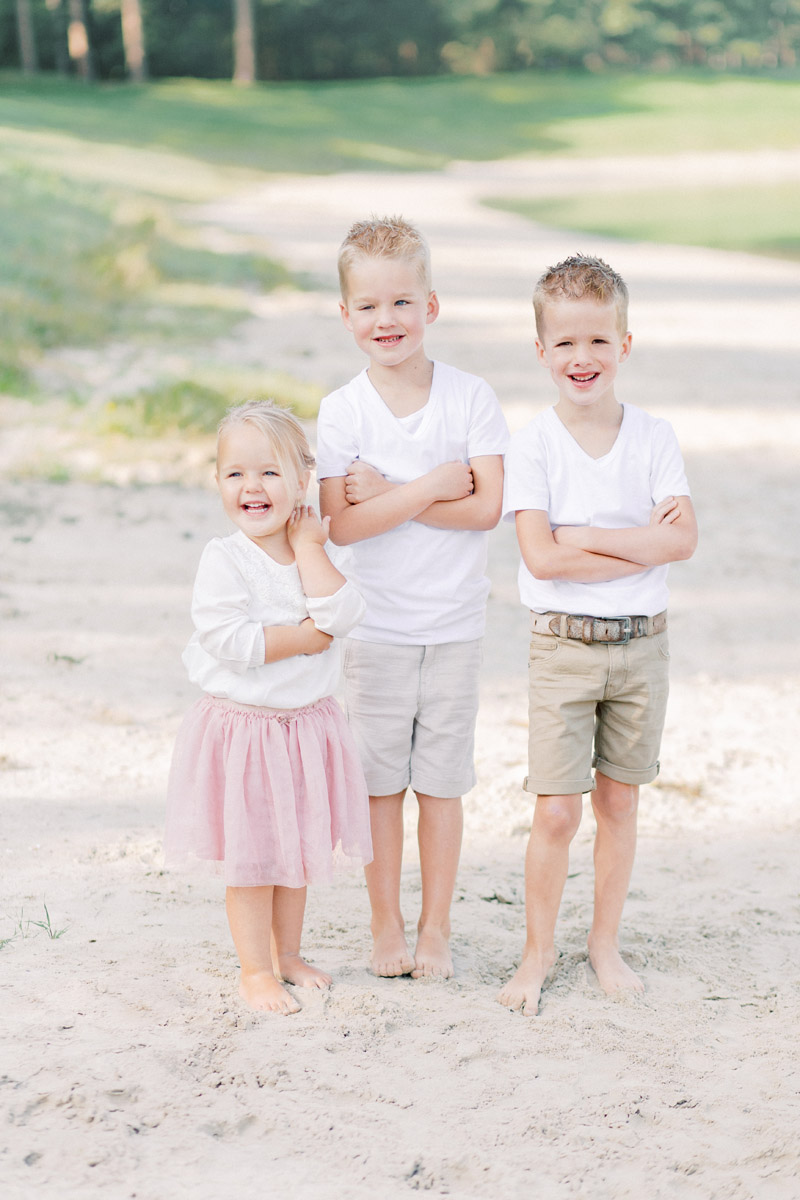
(594, 705)
(412, 711)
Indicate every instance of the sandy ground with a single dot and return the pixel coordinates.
(129, 1068)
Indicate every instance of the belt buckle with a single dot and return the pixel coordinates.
(627, 630)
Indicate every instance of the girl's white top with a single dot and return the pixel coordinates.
(238, 590)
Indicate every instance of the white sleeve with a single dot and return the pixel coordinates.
(525, 485)
(339, 613)
(488, 432)
(667, 473)
(220, 606)
(337, 438)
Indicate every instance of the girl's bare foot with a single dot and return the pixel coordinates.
(390, 953)
(524, 988)
(432, 955)
(612, 973)
(294, 969)
(263, 992)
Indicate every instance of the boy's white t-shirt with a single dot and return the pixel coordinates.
(546, 469)
(422, 586)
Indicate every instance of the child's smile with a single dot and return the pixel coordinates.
(256, 494)
(387, 308)
(582, 347)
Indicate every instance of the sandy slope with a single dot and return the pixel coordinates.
(129, 1069)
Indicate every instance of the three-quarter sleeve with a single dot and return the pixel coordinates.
(339, 613)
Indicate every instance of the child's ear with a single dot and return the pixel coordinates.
(433, 308)
(345, 315)
(303, 482)
(626, 347)
(541, 354)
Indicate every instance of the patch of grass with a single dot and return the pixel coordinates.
(197, 405)
(396, 124)
(48, 926)
(759, 219)
(83, 265)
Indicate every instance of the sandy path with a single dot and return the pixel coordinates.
(133, 1071)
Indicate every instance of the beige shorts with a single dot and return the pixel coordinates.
(412, 710)
(597, 705)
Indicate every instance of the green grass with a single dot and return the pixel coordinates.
(758, 219)
(401, 123)
(96, 248)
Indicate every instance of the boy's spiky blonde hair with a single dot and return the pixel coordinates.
(578, 276)
(384, 237)
(281, 428)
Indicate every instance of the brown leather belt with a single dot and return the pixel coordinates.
(618, 630)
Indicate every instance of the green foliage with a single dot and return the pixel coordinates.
(315, 39)
(760, 219)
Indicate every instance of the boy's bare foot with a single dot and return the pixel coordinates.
(524, 988)
(294, 969)
(390, 953)
(262, 991)
(432, 955)
(612, 973)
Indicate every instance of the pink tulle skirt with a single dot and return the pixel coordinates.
(273, 797)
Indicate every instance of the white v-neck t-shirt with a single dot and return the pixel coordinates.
(547, 469)
(422, 586)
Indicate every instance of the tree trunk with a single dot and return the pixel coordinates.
(78, 44)
(133, 40)
(244, 42)
(29, 59)
(56, 7)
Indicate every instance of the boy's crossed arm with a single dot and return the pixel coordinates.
(454, 495)
(589, 554)
(671, 536)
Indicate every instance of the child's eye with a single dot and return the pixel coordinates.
(271, 472)
(402, 301)
(364, 307)
(233, 474)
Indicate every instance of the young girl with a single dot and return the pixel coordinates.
(265, 777)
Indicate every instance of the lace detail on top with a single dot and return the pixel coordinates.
(271, 583)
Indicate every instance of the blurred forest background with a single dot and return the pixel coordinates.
(122, 304)
(314, 39)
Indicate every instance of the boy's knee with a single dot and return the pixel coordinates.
(558, 817)
(614, 800)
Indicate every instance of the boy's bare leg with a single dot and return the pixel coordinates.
(555, 823)
(249, 912)
(390, 953)
(615, 809)
(441, 824)
(288, 908)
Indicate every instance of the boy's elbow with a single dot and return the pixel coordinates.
(543, 567)
(489, 518)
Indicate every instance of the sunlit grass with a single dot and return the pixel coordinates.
(759, 219)
(396, 123)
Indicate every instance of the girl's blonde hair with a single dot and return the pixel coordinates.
(281, 428)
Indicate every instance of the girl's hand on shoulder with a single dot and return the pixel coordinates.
(304, 528)
(314, 641)
(666, 512)
(363, 482)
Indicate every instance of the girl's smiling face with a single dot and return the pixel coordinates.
(258, 490)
